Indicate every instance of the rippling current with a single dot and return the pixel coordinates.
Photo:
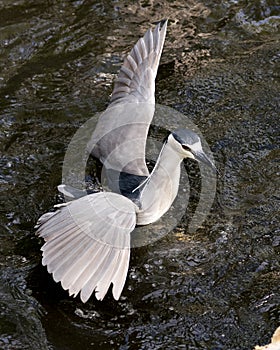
(216, 288)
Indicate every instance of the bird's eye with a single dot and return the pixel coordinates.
(186, 148)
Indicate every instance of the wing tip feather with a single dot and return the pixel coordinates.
(139, 58)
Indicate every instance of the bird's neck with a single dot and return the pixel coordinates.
(161, 189)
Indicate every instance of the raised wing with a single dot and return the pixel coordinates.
(136, 79)
(88, 243)
(119, 139)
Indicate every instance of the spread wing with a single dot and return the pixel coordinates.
(119, 139)
(136, 79)
(87, 243)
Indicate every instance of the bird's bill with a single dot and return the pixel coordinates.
(202, 157)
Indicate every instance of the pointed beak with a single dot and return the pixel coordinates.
(202, 157)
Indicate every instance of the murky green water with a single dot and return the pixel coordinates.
(217, 288)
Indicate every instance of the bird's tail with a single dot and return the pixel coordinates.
(87, 243)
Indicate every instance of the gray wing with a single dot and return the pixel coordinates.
(136, 79)
(119, 139)
(87, 243)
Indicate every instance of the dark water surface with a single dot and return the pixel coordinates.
(217, 288)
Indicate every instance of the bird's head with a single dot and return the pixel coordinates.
(188, 144)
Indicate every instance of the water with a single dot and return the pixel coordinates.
(217, 288)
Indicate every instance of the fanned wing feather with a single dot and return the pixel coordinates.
(119, 270)
(88, 243)
(137, 75)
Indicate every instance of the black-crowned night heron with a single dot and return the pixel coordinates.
(87, 240)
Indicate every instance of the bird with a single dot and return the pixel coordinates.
(88, 240)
